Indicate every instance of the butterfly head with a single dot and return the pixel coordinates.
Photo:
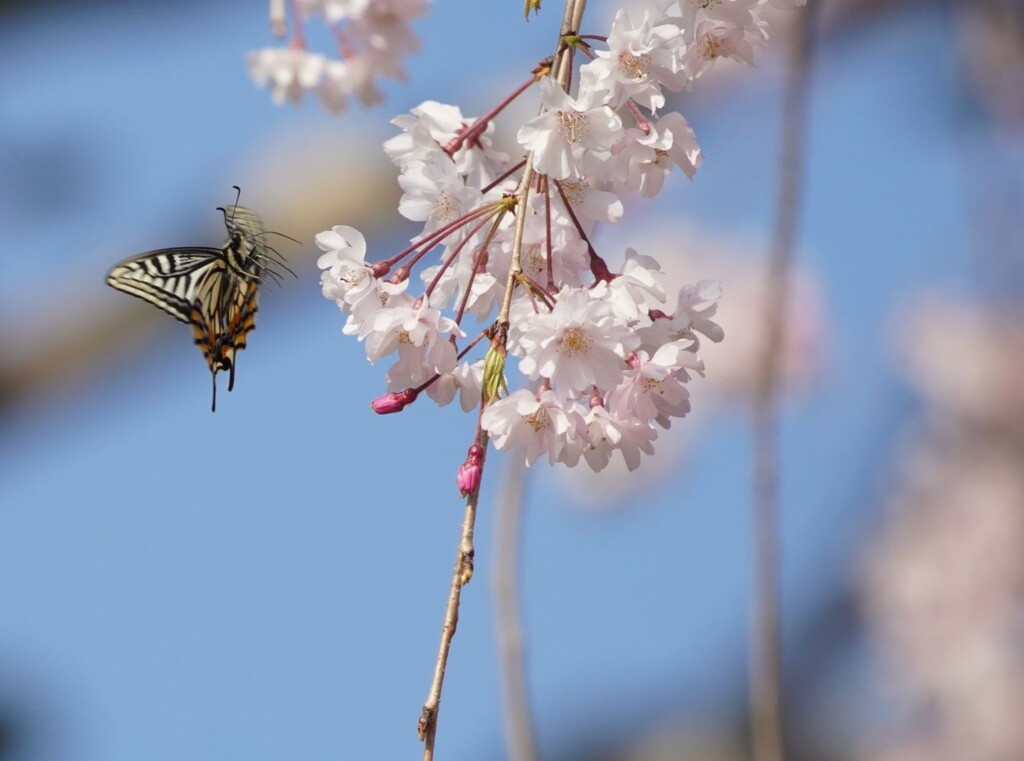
(244, 246)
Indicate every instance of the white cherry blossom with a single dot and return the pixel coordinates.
(654, 387)
(642, 161)
(640, 60)
(435, 193)
(607, 434)
(696, 306)
(431, 127)
(374, 36)
(567, 129)
(414, 324)
(537, 423)
(637, 290)
(579, 344)
(289, 72)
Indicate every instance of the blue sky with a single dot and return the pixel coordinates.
(268, 582)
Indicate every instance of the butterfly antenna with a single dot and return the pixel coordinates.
(272, 250)
(222, 210)
(213, 407)
(278, 260)
(238, 197)
(275, 232)
(274, 275)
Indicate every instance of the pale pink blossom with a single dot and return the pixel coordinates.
(431, 127)
(654, 387)
(435, 193)
(642, 161)
(640, 60)
(567, 129)
(289, 72)
(607, 434)
(536, 423)
(579, 344)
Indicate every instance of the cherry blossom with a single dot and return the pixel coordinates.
(536, 423)
(289, 72)
(567, 129)
(638, 62)
(580, 343)
(435, 192)
(431, 126)
(598, 363)
(373, 36)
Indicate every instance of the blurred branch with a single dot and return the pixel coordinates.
(765, 677)
(508, 628)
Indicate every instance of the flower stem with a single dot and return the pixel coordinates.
(438, 235)
(448, 262)
(504, 176)
(547, 226)
(298, 35)
(598, 266)
(480, 253)
(472, 133)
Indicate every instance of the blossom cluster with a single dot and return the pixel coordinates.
(603, 366)
(372, 37)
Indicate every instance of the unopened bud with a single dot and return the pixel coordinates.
(471, 471)
(396, 401)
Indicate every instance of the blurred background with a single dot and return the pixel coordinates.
(268, 582)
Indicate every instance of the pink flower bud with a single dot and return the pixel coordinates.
(396, 401)
(471, 471)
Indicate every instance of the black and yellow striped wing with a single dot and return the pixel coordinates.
(169, 278)
(196, 286)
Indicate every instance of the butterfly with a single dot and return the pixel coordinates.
(214, 290)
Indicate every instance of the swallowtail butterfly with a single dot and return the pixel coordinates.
(212, 289)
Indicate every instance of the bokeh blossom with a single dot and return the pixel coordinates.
(944, 581)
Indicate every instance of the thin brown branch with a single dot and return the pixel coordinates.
(519, 737)
(463, 570)
(462, 573)
(766, 671)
